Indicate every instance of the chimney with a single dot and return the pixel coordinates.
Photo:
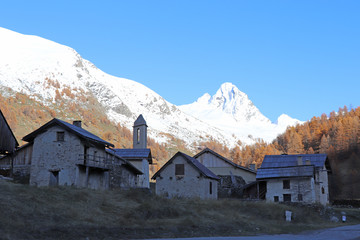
(299, 160)
(77, 123)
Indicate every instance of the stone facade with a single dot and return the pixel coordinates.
(192, 184)
(59, 159)
(300, 190)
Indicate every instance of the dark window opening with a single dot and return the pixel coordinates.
(322, 190)
(300, 197)
(286, 184)
(210, 187)
(85, 154)
(276, 198)
(60, 136)
(54, 178)
(179, 170)
(287, 197)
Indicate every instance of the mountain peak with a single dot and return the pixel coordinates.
(229, 91)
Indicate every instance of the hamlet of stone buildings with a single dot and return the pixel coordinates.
(62, 153)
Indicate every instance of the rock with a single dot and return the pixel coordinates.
(334, 219)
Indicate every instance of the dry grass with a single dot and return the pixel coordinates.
(70, 213)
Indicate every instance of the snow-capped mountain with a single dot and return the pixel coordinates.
(232, 111)
(41, 69)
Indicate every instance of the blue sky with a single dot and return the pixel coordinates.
(301, 58)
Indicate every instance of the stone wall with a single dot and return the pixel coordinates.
(303, 186)
(143, 166)
(21, 174)
(121, 177)
(191, 184)
(230, 186)
(322, 186)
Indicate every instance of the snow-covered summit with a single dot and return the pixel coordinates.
(233, 112)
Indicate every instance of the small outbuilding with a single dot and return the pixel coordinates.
(184, 176)
(295, 178)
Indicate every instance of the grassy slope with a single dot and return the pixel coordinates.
(69, 213)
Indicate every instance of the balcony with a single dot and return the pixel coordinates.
(93, 161)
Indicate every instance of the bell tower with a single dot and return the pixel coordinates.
(140, 133)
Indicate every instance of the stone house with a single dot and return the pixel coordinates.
(233, 177)
(139, 155)
(60, 153)
(184, 176)
(295, 178)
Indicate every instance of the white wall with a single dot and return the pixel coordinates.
(304, 186)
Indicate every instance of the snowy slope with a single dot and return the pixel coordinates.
(39, 67)
(34, 66)
(233, 112)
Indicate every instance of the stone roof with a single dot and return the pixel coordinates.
(298, 165)
(126, 162)
(140, 121)
(207, 150)
(134, 153)
(80, 132)
(318, 160)
(282, 172)
(192, 161)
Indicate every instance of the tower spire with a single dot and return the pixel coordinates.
(140, 133)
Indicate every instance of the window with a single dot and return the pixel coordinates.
(138, 135)
(276, 198)
(322, 190)
(286, 184)
(179, 170)
(210, 187)
(60, 136)
(300, 197)
(287, 197)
